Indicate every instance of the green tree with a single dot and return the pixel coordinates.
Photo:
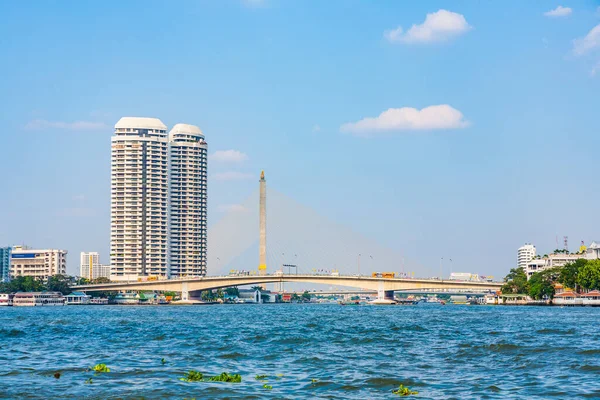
(265, 297)
(569, 273)
(306, 296)
(295, 297)
(589, 275)
(24, 284)
(101, 280)
(541, 284)
(255, 288)
(232, 291)
(60, 283)
(516, 282)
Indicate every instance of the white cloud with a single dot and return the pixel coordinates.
(559, 11)
(39, 124)
(439, 26)
(232, 176)
(589, 42)
(440, 116)
(228, 156)
(232, 208)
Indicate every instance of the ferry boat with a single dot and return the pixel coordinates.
(6, 299)
(36, 299)
(127, 298)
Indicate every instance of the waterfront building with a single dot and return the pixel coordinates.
(592, 252)
(187, 201)
(5, 263)
(77, 298)
(37, 299)
(139, 173)
(127, 298)
(37, 263)
(525, 254)
(557, 260)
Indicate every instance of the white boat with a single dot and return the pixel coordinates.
(6, 299)
(36, 299)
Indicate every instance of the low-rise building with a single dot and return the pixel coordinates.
(77, 298)
(37, 263)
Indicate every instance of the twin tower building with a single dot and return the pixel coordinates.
(158, 200)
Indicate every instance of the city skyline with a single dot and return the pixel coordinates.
(338, 112)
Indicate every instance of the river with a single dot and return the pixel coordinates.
(351, 352)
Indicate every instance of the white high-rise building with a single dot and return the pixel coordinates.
(90, 267)
(525, 254)
(37, 263)
(139, 169)
(88, 262)
(187, 201)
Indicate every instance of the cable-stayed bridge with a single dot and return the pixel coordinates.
(298, 237)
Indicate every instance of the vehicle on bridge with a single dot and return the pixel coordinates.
(384, 275)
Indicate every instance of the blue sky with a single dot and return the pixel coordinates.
(509, 157)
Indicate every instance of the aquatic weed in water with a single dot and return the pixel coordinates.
(225, 377)
(260, 377)
(163, 361)
(100, 368)
(89, 380)
(57, 375)
(192, 376)
(268, 387)
(404, 391)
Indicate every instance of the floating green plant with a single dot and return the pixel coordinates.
(193, 376)
(404, 391)
(225, 377)
(89, 380)
(279, 376)
(314, 380)
(163, 361)
(268, 387)
(57, 375)
(260, 377)
(100, 368)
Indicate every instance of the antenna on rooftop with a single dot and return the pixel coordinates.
(566, 243)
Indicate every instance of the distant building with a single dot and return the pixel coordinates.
(5, 263)
(592, 252)
(37, 263)
(464, 276)
(90, 267)
(525, 254)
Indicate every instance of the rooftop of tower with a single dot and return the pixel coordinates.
(140, 123)
(186, 128)
(186, 133)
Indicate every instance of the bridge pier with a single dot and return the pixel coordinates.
(185, 293)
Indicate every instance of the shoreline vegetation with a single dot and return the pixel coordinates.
(573, 280)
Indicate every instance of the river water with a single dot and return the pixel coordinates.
(443, 352)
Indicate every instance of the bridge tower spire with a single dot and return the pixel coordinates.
(262, 245)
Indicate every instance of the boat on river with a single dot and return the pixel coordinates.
(36, 299)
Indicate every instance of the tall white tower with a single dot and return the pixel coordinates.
(262, 245)
(525, 254)
(138, 234)
(187, 201)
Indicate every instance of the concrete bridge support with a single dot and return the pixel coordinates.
(185, 294)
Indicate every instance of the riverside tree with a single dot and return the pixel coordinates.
(516, 282)
(588, 276)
